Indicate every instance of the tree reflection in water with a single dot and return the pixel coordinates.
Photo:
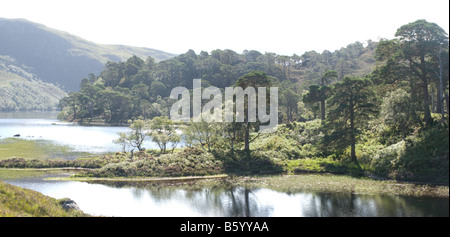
(349, 204)
(237, 201)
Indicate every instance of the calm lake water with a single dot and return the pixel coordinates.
(46, 126)
(159, 201)
(163, 201)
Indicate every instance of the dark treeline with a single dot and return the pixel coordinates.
(138, 88)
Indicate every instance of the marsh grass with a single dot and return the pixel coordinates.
(136, 180)
(36, 149)
(322, 165)
(7, 174)
(328, 183)
(347, 184)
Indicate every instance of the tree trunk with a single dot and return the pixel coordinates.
(233, 137)
(438, 100)
(426, 103)
(247, 136)
(352, 134)
(441, 89)
(353, 144)
(433, 103)
(322, 110)
(426, 96)
(447, 101)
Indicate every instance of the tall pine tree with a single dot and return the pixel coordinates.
(352, 104)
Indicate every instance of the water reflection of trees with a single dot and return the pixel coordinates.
(349, 204)
(331, 205)
(243, 203)
(210, 201)
(232, 201)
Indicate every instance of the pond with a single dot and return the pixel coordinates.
(159, 200)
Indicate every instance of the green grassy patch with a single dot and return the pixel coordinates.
(36, 149)
(53, 163)
(7, 174)
(20, 202)
(345, 184)
(139, 179)
(322, 165)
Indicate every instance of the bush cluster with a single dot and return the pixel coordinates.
(47, 163)
(297, 140)
(423, 156)
(188, 162)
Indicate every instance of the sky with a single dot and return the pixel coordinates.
(285, 27)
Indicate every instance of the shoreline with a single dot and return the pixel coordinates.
(138, 179)
(323, 182)
(291, 183)
(168, 178)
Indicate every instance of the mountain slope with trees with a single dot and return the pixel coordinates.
(21, 90)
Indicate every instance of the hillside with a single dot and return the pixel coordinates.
(59, 57)
(356, 59)
(20, 202)
(22, 90)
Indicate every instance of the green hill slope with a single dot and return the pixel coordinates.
(21, 90)
(59, 57)
(19, 202)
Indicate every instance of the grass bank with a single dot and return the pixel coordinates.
(12, 174)
(320, 183)
(139, 179)
(326, 183)
(349, 184)
(20, 202)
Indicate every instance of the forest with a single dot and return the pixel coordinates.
(144, 86)
(379, 108)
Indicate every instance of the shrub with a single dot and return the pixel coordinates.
(296, 140)
(47, 163)
(426, 157)
(322, 165)
(386, 161)
(280, 146)
(188, 162)
(420, 157)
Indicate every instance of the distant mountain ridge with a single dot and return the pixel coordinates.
(59, 57)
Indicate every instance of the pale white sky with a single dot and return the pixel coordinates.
(279, 26)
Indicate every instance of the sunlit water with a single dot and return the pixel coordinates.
(46, 126)
(160, 201)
